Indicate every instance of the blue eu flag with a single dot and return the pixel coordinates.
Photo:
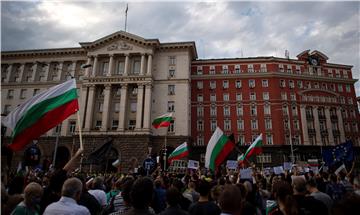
(340, 153)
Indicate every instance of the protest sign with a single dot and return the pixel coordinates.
(315, 169)
(232, 164)
(278, 170)
(287, 165)
(246, 173)
(193, 164)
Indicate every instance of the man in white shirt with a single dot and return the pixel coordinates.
(70, 193)
(98, 191)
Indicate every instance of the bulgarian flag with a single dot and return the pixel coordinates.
(254, 149)
(217, 149)
(41, 113)
(163, 121)
(180, 152)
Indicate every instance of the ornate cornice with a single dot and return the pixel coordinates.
(42, 53)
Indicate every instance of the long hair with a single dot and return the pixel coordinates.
(284, 193)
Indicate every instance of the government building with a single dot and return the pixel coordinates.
(128, 81)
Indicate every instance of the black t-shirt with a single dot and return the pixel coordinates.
(90, 202)
(308, 205)
(204, 208)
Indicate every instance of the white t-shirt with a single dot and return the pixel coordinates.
(100, 195)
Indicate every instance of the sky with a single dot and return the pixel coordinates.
(222, 29)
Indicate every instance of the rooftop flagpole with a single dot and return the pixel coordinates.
(126, 10)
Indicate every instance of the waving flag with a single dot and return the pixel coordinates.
(180, 152)
(340, 153)
(254, 149)
(163, 120)
(41, 113)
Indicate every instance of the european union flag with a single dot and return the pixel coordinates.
(340, 153)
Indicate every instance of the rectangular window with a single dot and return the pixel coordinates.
(283, 96)
(213, 111)
(171, 127)
(213, 97)
(238, 96)
(350, 101)
(213, 125)
(252, 96)
(225, 69)
(281, 67)
(200, 141)
(269, 140)
(57, 129)
(131, 125)
(296, 125)
(240, 124)
(266, 96)
(171, 106)
(239, 110)
(199, 70)
(237, 69)
(226, 97)
(200, 125)
(121, 68)
(172, 60)
(105, 68)
(212, 70)
(133, 106)
(226, 111)
(251, 83)
(289, 69)
(200, 111)
(250, 68)
(238, 84)
(348, 88)
(212, 85)
(267, 109)
(36, 91)
(345, 74)
(330, 73)
(171, 89)
(23, 93)
(6, 109)
(72, 127)
(340, 87)
(285, 110)
(282, 83)
(254, 124)
(316, 85)
(291, 84)
(265, 83)
(268, 124)
(199, 85)
(253, 110)
(98, 124)
(114, 124)
(171, 73)
(117, 107)
(292, 96)
(200, 98)
(337, 74)
(10, 94)
(227, 125)
(263, 68)
(298, 71)
(300, 84)
(136, 67)
(225, 84)
(241, 140)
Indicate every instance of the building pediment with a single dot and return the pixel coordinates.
(119, 40)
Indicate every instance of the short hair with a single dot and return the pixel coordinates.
(31, 190)
(173, 196)
(204, 188)
(311, 182)
(71, 187)
(299, 184)
(98, 183)
(126, 189)
(230, 199)
(141, 193)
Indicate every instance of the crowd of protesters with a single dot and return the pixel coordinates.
(195, 193)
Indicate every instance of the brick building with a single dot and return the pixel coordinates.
(307, 101)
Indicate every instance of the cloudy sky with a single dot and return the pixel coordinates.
(220, 29)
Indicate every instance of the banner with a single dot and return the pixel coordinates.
(278, 170)
(232, 164)
(192, 164)
(287, 165)
(246, 173)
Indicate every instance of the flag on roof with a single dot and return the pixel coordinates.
(180, 152)
(163, 120)
(217, 149)
(41, 113)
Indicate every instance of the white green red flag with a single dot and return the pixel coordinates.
(254, 149)
(41, 113)
(163, 120)
(217, 149)
(180, 152)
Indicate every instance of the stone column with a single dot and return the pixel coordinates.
(9, 73)
(47, 71)
(84, 92)
(111, 65)
(106, 110)
(142, 64)
(64, 127)
(139, 105)
(94, 70)
(123, 104)
(21, 73)
(317, 125)
(341, 125)
(126, 68)
(87, 70)
(147, 107)
(73, 69)
(304, 125)
(328, 125)
(90, 108)
(60, 71)
(34, 71)
(149, 65)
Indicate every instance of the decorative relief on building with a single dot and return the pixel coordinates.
(119, 46)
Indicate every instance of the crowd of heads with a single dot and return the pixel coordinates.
(194, 192)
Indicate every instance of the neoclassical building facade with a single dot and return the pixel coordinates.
(126, 83)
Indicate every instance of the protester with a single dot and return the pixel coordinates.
(159, 197)
(98, 191)
(204, 206)
(190, 193)
(230, 200)
(122, 201)
(311, 187)
(70, 193)
(88, 200)
(283, 194)
(173, 196)
(32, 197)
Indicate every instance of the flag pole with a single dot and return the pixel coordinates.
(80, 137)
(126, 10)
(56, 148)
(165, 148)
